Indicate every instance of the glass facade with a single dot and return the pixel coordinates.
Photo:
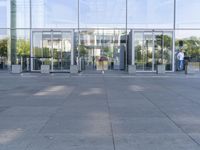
(92, 34)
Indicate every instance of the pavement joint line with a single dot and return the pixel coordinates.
(164, 113)
(110, 118)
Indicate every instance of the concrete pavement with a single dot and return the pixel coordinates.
(87, 112)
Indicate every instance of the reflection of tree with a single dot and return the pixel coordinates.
(138, 50)
(37, 52)
(83, 50)
(108, 52)
(3, 47)
(191, 47)
(3, 52)
(163, 48)
(46, 52)
(23, 47)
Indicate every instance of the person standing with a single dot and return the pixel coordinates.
(180, 58)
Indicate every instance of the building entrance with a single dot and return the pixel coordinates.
(102, 48)
(51, 48)
(152, 49)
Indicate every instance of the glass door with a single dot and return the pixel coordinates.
(144, 51)
(102, 47)
(163, 49)
(52, 48)
(152, 49)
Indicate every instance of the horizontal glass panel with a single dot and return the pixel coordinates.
(187, 14)
(4, 13)
(20, 13)
(150, 13)
(55, 14)
(102, 13)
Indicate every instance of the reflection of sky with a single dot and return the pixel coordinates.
(61, 11)
(188, 13)
(105, 13)
(102, 12)
(187, 33)
(3, 17)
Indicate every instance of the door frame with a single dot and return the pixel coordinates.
(153, 53)
(51, 32)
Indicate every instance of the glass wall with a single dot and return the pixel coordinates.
(97, 25)
(54, 14)
(150, 14)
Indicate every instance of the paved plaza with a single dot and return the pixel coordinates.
(99, 112)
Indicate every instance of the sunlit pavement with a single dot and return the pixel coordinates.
(99, 112)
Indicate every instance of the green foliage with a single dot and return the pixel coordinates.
(23, 47)
(83, 50)
(108, 51)
(3, 47)
(191, 46)
(38, 52)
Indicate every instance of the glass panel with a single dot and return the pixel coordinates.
(119, 48)
(20, 13)
(4, 13)
(37, 53)
(66, 50)
(4, 49)
(102, 13)
(148, 51)
(57, 50)
(163, 50)
(139, 58)
(89, 53)
(144, 51)
(187, 14)
(46, 48)
(55, 14)
(189, 40)
(48, 44)
(20, 48)
(150, 13)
